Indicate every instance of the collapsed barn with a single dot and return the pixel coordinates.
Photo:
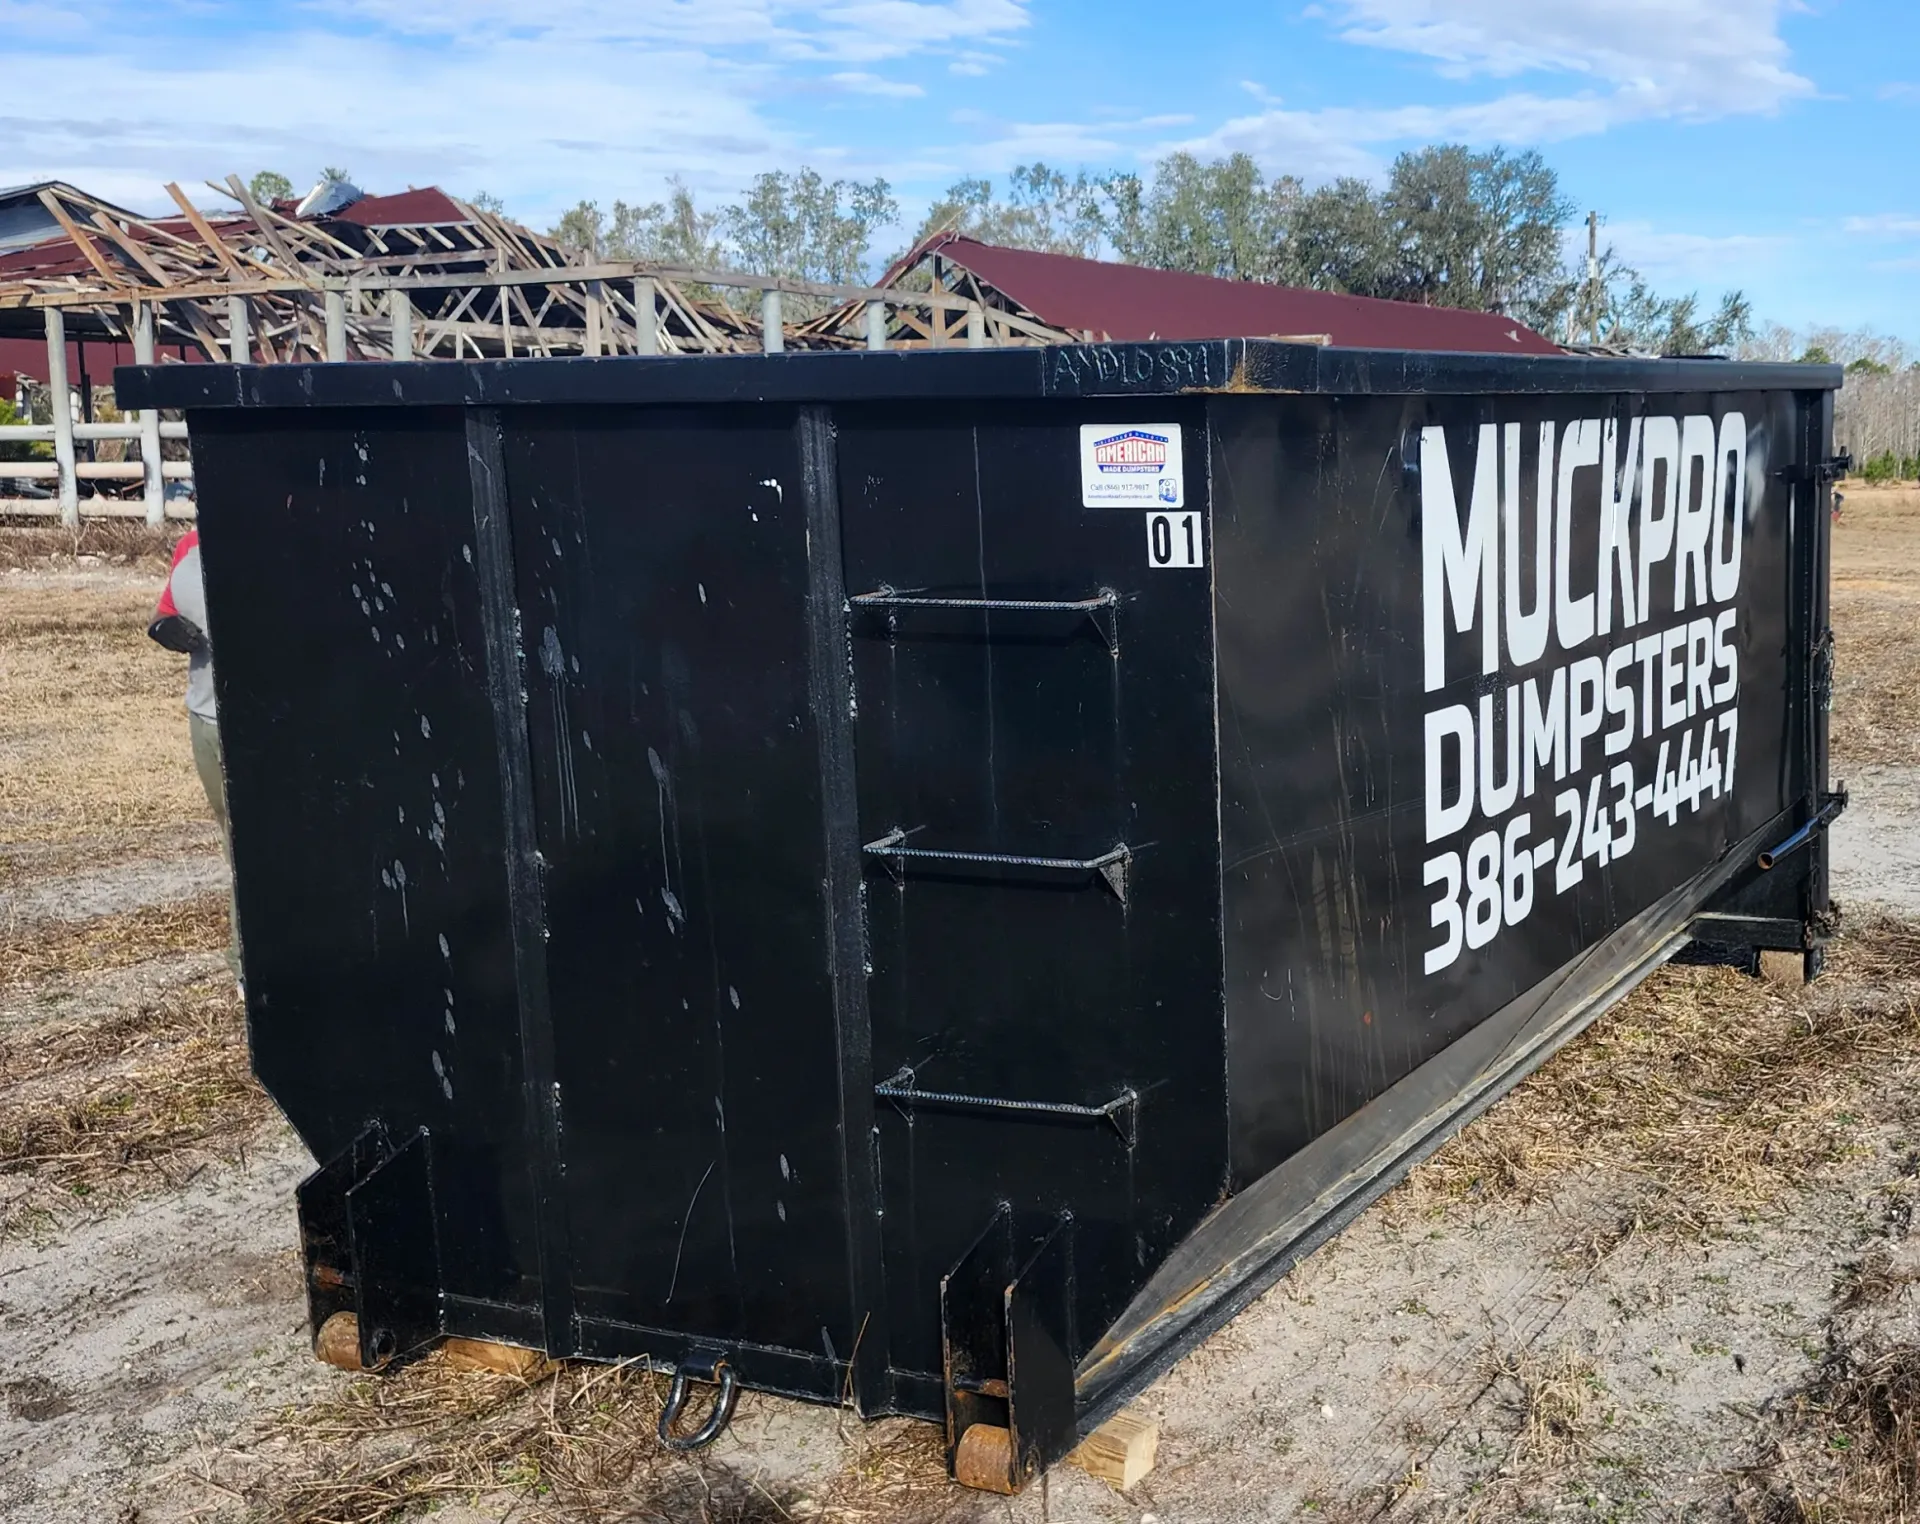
(342, 276)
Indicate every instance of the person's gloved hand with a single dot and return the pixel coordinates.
(178, 633)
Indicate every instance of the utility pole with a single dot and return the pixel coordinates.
(1593, 278)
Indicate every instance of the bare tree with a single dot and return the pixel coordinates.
(1876, 416)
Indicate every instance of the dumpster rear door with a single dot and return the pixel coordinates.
(661, 562)
(1037, 802)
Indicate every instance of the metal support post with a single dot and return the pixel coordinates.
(62, 398)
(596, 297)
(646, 322)
(401, 311)
(976, 327)
(149, 421)
(773, 338)
(876, 325)
(239, 340)
(336, 325)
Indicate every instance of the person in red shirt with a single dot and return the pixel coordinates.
(180, 624)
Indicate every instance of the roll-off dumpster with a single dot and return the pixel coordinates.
(935, 877)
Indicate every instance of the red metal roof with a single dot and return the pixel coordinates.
(1132, 303)
(411, 207)
(58, 255)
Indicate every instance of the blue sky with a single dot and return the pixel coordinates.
(1765, 144)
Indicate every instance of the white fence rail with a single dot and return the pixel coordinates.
(66, 470)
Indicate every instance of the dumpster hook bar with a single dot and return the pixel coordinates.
(1824, 817)
(1123, 1111)
(887, 598)
(1112, 865)
(1102, 602)
(719, 1373)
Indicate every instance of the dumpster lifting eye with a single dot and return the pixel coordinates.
(717, 1420)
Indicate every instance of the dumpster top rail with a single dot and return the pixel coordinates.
(1252, 366)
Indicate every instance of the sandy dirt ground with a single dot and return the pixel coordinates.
(1598, 1303)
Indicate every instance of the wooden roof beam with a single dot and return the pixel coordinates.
(83, 243)
(204, 228)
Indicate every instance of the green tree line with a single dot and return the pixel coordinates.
(1450, 226)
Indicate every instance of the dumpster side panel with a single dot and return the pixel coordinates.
(1004, 723)
(1422, 817)
(365, 803)
(662, 565)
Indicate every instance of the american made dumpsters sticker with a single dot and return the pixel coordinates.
(1131, 465)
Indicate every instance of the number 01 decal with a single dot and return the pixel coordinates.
(1176, 539)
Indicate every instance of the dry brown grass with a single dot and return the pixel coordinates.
(1844, 1448)
(1876, 603)
(95, 763)
(576, 1444)
(1876, 1277)
(32, 954)
(115, 542)
(1718, 1092)
(145, 1097)
(1558, 1418)
(1876, 682)
(1558, 1405)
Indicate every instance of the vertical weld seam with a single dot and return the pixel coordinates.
(1211, 528)
(853, 1034)
(526, 898)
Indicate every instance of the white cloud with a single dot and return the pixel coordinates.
(859, 82)
(23, 21)
(536, 104)
(1670, 257)
(1315, 144)
(396, 116)
(1884, 225)
(1663, 57)
(1341, 140)
(996, 144)
(607, 98)
(895, 28)
(972, 63)
(1590, 65)
(844, 31)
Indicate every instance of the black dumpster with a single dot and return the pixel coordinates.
(936, 877)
